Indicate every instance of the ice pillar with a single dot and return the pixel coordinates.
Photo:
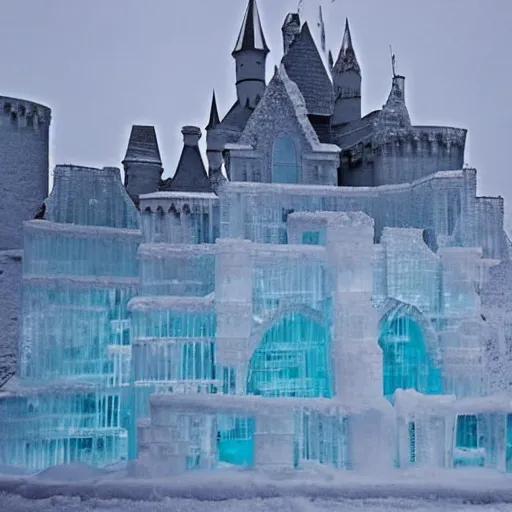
(357, 358)
(233, 302)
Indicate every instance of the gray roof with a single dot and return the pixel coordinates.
(394, 116)
(251, 34)
(236, 118)
(190, 175)
(305, 67)
(143, 146)
(347, 60)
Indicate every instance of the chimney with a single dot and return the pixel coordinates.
(290, 30)
(191, 135)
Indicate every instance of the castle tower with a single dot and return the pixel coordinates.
(347, 83)
(24, 152)
(290, 30)
(214, 145)
(250, 54)
(142, 163)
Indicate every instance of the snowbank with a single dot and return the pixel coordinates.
(476, 486)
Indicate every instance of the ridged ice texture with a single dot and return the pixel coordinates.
(99, 200)
(70, 401)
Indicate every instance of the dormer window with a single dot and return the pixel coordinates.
(285, 165)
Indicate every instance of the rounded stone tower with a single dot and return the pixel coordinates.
(24, 151)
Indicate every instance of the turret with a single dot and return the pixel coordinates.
(290, 30)
(250, 54)
(214, 143)
(142, 163)
(190, 175)
(347, 83)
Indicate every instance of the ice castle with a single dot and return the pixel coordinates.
(331, 290)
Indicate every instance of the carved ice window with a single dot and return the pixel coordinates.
(285, 166)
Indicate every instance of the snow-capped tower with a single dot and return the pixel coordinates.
(290, 30)
(250, 54)
(347, 83)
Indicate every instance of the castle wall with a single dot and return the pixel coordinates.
(424, 151)
(258, 211)
(24, 150)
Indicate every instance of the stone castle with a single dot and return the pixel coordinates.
(332, 285)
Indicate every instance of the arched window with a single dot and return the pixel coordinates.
(285, 166)
(407, 363)
(291, 360)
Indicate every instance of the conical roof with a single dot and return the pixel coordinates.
(190, 174)
(143, 146)
(214, 114)
(347, 60)
(251, 34)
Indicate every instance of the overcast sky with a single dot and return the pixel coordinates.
(103, 65)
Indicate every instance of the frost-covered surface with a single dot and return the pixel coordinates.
(77, 487)
(63, 504)
(10, 284)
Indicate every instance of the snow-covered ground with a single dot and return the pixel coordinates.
(60, 504)
(77, 487)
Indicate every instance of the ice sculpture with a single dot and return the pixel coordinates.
(344, 292)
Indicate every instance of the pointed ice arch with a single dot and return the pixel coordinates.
(411, 357)
(291, 358)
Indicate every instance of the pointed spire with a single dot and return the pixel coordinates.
(331, 60)
(251, 34)
(143, 146)
(214, 114)
(347, 60)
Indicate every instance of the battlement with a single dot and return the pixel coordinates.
(24, 113)
(431, 139)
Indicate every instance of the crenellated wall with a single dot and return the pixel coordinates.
(402, 157)
(180, 217)
(24, 151)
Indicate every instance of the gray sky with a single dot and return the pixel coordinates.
(103, 65)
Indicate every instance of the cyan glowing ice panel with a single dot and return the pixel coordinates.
(406, 361)
(291, 360)
(42, 428)
(235, 440)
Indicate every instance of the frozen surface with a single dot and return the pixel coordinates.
(61, 504)
(77, 487)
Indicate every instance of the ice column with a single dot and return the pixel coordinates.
(233, 302)
(357, 358)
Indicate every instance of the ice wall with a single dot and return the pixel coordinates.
(70, 401)
(180, 217)
(100, 200)
(444, 204)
